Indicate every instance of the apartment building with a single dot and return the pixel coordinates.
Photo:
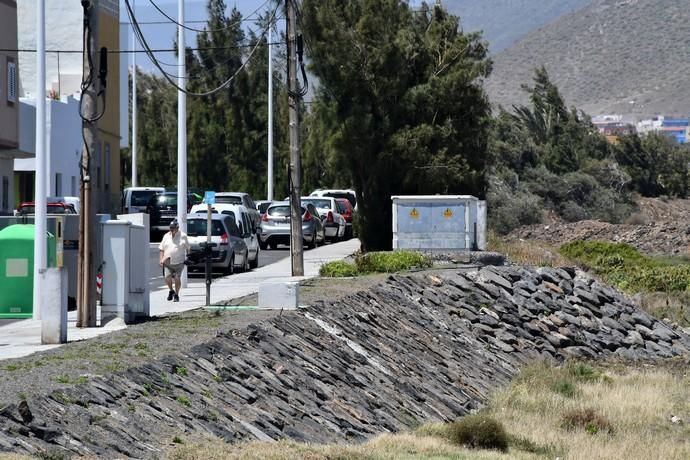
(64, 27)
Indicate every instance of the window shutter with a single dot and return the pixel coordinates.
(12, 81)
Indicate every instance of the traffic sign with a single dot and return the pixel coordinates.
(210, 197)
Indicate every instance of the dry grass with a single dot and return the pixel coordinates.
(637, 402)
(675, 306)
(527, 252)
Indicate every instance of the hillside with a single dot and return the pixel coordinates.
(505, 21)
(605, 56)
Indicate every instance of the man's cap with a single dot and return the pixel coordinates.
(174, 223)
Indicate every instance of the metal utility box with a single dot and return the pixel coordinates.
(17, 269)
(439, 222)
(125, 285)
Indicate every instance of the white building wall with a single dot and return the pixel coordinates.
(63, 32)
(63, 139)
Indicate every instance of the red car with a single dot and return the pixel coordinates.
(29, 208)
(347, 212)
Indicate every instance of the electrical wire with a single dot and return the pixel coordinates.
(155, 50)
(142, 40)
(229, 26)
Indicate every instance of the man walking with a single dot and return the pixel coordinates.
(173, 252)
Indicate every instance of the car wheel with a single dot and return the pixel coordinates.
(312, 243)
(245, 265)
(273, 246)
(263, 245)
(255, 263)
(230, 269)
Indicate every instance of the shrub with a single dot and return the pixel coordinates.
(479, 431)
(587, 419)
(337, 269)
(564, 387)
(388, 262)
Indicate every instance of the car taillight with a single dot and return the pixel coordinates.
(307, 216)
(329, 218)
(224, 239)
(264, 217)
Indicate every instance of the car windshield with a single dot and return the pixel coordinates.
(228, 199)
(163, 200)
(280, 211)
(197, 227)
(141, 197)
(321, 204)
(263, 207)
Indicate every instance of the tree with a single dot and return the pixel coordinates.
(409, 112)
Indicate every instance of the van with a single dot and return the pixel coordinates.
(348, 194)
(135, 199)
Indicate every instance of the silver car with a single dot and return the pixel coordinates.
(275, 226)
(230, 250)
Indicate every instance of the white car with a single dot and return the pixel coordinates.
(244, 223)
(334, 223)
(135, 199)
(349, 194)
(245, 200)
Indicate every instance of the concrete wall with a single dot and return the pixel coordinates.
(9, 110)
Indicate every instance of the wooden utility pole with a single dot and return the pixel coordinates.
(86, 295)
(296, 237)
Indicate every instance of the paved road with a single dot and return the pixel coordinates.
(265, 258)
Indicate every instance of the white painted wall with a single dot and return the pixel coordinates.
(63, 138)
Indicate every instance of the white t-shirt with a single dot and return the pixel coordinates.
(174, 247)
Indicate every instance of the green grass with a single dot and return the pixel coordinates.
(376, 262)
(624, 267)
(66, 379)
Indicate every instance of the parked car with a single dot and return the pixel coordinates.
(162, 208)
(348, 194)
(29, 208)
(333, 222)
(71, 200)
(136, 199)
(347, 212)
(243, 221)
(230, 251)
(262, 206)
(243, 199)
(275, 226)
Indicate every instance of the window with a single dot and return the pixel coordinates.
(58, 184)
(5, 193)
(11, 81)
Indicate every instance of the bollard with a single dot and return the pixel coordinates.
(53, 305)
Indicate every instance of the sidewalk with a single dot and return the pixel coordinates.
(24, 337)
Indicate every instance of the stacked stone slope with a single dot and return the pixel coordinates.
(417, 348)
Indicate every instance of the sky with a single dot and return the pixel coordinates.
(162, 36)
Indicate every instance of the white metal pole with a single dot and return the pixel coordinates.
(134, 105)
(181, 129)
(40, 201)
(270, 114)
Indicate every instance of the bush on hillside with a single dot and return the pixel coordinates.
(479, 432)
(338, 269)
(510, 205)
(587, 419)
(389, 262)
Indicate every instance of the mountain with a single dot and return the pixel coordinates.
(613, 56)
(505, 21)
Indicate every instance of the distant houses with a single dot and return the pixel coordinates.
(614, 126)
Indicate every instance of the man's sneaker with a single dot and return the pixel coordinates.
(171, 293)
(176, 298)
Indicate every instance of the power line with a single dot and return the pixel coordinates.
(142, 40)
(157, 50)
(229, 26)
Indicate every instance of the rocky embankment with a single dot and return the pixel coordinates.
(416, 348)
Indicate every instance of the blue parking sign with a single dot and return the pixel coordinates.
(210, 197)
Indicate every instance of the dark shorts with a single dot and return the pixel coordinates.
(174, 270)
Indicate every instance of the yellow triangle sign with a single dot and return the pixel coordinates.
(414, 213)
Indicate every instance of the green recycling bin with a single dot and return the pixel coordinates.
(17, 269)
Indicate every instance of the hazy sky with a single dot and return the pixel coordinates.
(162, 36)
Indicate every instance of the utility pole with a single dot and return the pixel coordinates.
(40, 198)
(134, 105)
(181, 128)
(296, 238)
(86, 300)
(269, 181)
